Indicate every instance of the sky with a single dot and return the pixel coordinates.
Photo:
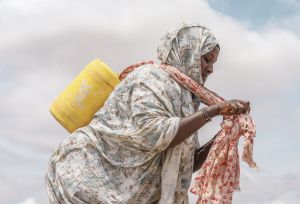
(44, 44)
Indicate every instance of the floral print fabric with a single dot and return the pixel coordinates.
(219, 175)
(122, 155)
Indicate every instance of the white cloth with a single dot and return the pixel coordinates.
(121, 157)
(183, 46)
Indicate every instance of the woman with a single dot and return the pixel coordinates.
(140, 146)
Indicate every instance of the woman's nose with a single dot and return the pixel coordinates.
(210, 69)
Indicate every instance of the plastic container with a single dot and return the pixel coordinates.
(77, 104)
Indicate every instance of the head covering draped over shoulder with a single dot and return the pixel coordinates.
(183, 46)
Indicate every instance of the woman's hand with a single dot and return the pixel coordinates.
(234, 107)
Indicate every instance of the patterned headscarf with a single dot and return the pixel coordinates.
(183, 46)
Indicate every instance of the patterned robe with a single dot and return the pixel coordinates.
(122, 156)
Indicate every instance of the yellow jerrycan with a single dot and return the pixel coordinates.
(84, 96)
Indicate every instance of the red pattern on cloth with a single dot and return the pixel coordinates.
(219, 175)
(130, 68)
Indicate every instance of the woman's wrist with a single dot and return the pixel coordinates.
(213, 110)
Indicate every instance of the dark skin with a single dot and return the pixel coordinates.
(190, 124)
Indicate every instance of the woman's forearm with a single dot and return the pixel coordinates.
(192, 123)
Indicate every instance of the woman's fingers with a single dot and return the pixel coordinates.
(239, 107)
(225, 108)
(242, 108)
(247, 104)
(235, 107)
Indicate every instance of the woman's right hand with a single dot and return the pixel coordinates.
(234, 107)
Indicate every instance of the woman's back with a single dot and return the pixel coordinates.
(120, 154)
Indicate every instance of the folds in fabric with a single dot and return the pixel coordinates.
(118, 157)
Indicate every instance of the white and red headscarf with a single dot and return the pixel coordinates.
(179, 52)
(183, 46)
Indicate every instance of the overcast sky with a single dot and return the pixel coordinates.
(44, 44)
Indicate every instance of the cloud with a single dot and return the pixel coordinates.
(270, 189)
(28, 201)
(264, 189)
(278, 202)
(45, 44)
(260, 53)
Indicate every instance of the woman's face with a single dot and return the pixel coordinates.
(207, 62)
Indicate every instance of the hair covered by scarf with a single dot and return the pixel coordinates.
(183, 46)
(219, 175)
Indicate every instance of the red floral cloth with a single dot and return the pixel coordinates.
(219, 175)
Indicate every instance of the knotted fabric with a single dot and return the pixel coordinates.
(219, 175)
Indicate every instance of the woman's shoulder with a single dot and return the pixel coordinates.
(148, 77)
(151, 73)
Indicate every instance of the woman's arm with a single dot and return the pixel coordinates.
(201, 155)
(192, 123)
